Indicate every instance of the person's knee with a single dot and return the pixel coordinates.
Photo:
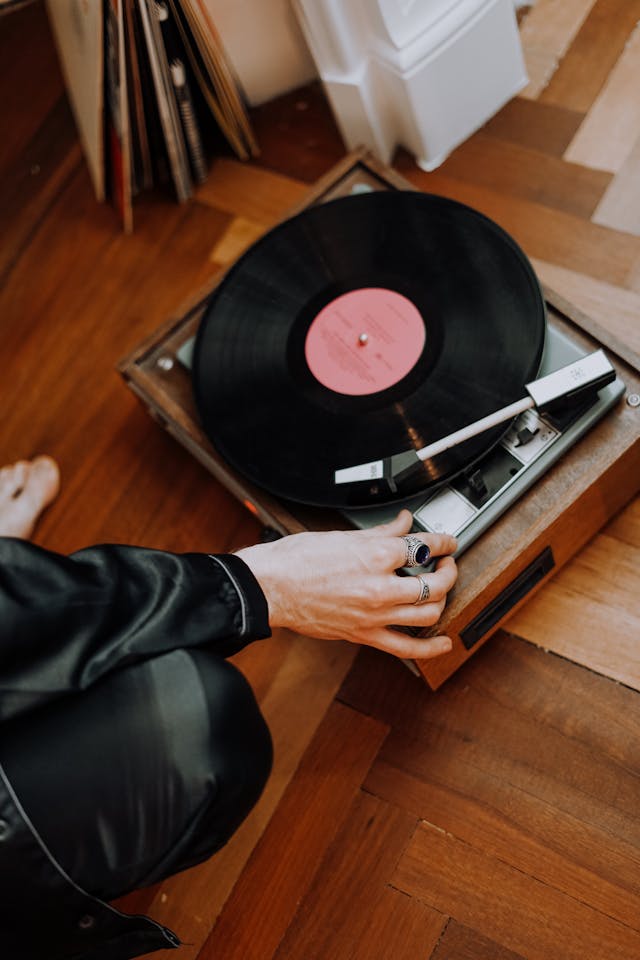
(174, 753)
(241, 750)
(237, 720)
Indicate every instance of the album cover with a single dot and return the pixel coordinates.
(153, 94)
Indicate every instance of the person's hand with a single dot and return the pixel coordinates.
(343, 585)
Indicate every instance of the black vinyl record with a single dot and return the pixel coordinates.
(361, 328)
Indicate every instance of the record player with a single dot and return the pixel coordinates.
(521, 498)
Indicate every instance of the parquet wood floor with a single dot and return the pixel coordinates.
(498, 818)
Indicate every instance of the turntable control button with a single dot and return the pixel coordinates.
(525, 436)
(477, 484)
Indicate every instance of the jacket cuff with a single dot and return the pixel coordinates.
(255, 610)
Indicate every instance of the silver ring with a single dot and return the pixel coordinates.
(417, 551)
(425, 593)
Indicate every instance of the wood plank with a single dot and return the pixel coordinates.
(590, 611)
(553, 24)
(546, 33)
(238, 237)
(28, 189)
(461, 943)
(347, 894)
(72, 334)
(527, 174)
(542, 232)
(593, 54)
(249, 192)
(139, 281)
(512, 826)
(101, 510)
(30, 85)
(612, 126)
(633, 279)
(516, 715)
(540, 65)
(625, 527)
(538, 126)
(298, 134)
(615, 308)
(505, 905)
(399, 927)
(619, 207)
(307, 820)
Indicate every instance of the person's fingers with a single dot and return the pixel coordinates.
(424, 615)
(398, 527)
(440, 545)
(405, 646)
(388, 550)
(407, 590)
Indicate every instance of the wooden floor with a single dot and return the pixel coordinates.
(498, 818)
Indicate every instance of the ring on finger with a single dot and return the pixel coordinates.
(425, 592)
(417, 551)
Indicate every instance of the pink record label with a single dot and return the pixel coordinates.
(365, 341)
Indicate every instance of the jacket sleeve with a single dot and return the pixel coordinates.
(67, 621)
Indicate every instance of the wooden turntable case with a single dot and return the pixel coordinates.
(531, 541)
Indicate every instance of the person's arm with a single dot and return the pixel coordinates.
(67, 621)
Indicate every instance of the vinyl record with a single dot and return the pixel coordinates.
(360, 328)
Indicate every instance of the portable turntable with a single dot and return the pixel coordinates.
(299, 418)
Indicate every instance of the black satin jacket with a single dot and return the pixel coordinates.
(64, 623)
